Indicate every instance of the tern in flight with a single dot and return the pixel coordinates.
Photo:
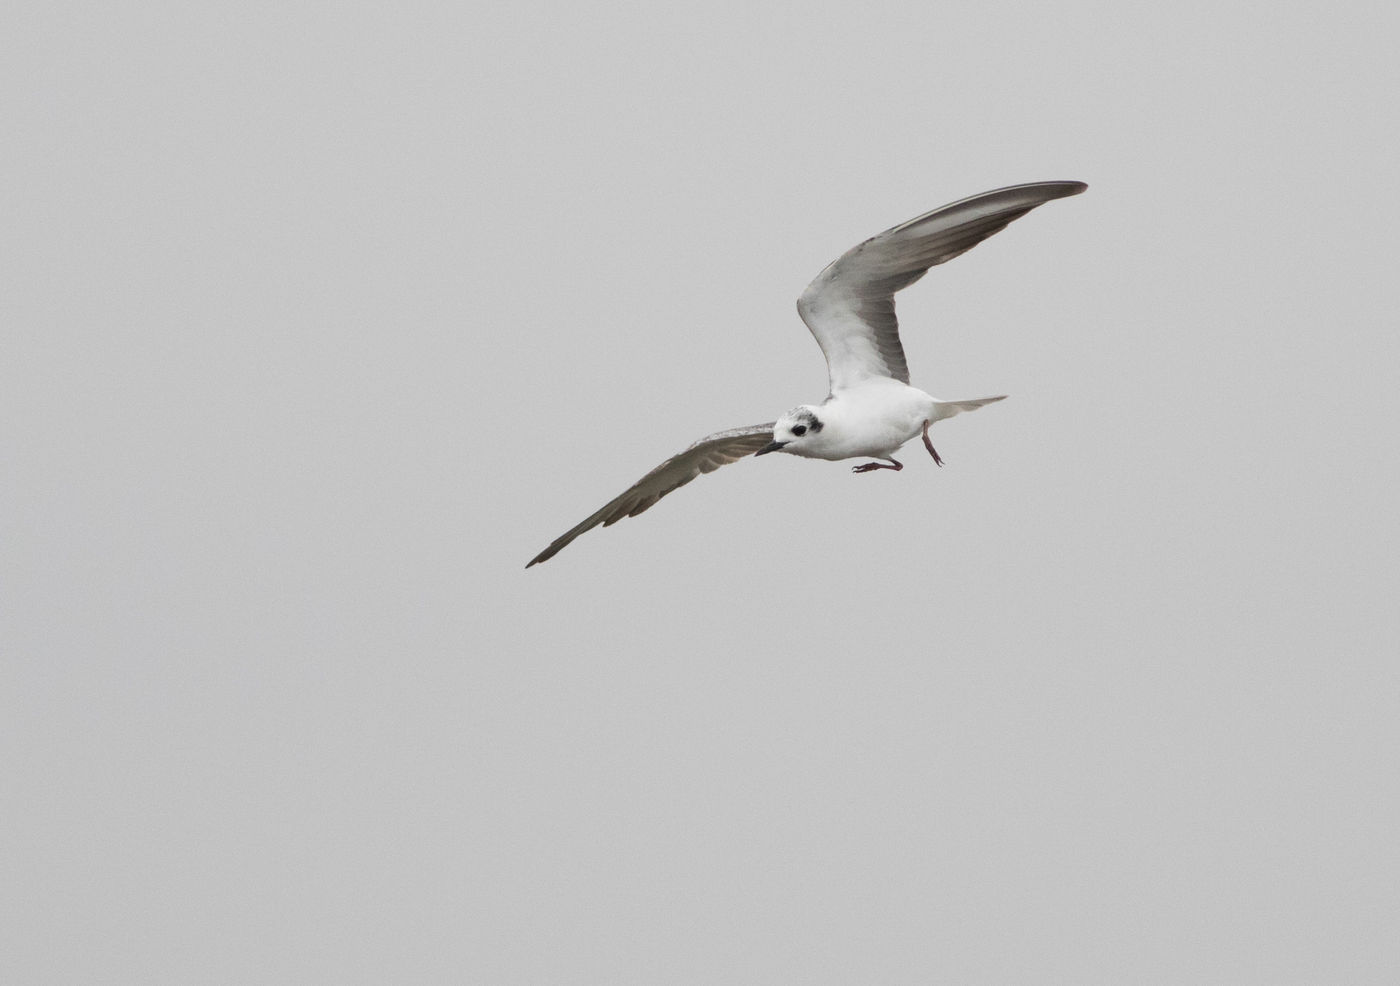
(870, 410)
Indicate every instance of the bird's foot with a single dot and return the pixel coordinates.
(929, 445)
(871, 466)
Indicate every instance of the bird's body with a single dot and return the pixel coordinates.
(874, 419)
(871, 410)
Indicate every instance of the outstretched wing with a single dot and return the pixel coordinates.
(706, 455)
(850, 306)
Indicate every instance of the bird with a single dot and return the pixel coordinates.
(870, 410)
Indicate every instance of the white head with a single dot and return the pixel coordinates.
(794, 431)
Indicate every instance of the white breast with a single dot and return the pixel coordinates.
(872, 419)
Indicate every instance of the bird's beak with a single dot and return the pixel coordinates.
(770, 447)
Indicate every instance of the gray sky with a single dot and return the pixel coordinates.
(320, 321)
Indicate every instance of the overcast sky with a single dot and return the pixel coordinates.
(321, 320)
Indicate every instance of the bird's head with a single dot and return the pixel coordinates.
(794, 431)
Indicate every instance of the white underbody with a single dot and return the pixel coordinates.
(872, 418)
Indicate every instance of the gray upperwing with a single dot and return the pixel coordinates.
(849, 306)
(706, 455)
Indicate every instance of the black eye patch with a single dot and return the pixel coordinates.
(799, 429)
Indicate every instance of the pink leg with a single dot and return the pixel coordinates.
(870, 466)
(929, 445)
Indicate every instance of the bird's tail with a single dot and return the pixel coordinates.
(946, 409)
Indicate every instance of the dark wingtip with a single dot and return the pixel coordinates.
(1059, 189)
(1055, 189)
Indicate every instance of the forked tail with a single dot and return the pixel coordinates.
(946, 409)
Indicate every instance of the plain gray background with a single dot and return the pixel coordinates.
(321, 319)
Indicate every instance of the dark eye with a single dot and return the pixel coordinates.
(799, 429)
